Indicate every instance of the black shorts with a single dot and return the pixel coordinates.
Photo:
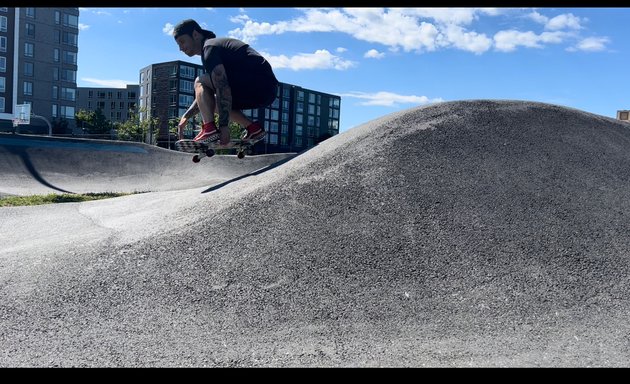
(253, 89)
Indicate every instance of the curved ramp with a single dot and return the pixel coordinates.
(39, 165)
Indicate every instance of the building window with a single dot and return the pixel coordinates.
(3, 23)
(29, 48)
(30, 12)
(69, 38)
(186, 86)
(3, 64)
(28, 69)
(55, 92)
(68, 94)
(3, 84)
(56, 55)
(69, 75)
(187, 72)
(3, 43)
(67, 112)
(70, 20)
(30, 29)
(55, 73)
(28, 88)
(57, 17)
(185, 100)
(70, 57)
(2, 102)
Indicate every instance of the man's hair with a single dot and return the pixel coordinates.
(186, 27)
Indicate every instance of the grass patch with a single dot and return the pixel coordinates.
(15, 201)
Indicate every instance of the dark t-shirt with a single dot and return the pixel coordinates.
(238, 58)
(251, 77)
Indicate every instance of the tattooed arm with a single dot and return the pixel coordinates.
(224, 94)
(190, 112)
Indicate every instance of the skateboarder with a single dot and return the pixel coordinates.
(236, 77)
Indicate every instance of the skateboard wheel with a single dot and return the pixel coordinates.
(196, 159)
(240, 154)
(209, 152)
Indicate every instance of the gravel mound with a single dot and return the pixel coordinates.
(470, 233)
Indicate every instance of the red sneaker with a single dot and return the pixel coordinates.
(208, 133)
(254, 132)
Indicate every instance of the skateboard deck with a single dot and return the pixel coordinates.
(202, 150)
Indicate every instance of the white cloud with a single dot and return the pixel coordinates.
(564, 21)
(374, 54)
(508, 41)
(590, 44)
(537, 17)
(389, 99)
(393, 28)
(83, 27)
(109, 83)
(168, 29)
(321, 59)
(420, 29)
(467, 41)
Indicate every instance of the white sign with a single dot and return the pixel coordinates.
(22, 113)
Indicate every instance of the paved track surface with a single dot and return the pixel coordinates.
(40, 165)
(471, 233)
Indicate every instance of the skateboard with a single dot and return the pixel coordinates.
(202, 150)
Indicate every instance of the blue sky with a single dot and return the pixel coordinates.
(382, 60)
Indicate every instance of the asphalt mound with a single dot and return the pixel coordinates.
(483, 233)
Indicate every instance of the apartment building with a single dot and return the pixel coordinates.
(115, 103)
(298, 119)
(38, 63)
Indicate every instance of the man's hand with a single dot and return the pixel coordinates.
(181, 126)
(225, 135)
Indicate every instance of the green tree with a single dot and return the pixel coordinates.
(93, 122)
(135, 130)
